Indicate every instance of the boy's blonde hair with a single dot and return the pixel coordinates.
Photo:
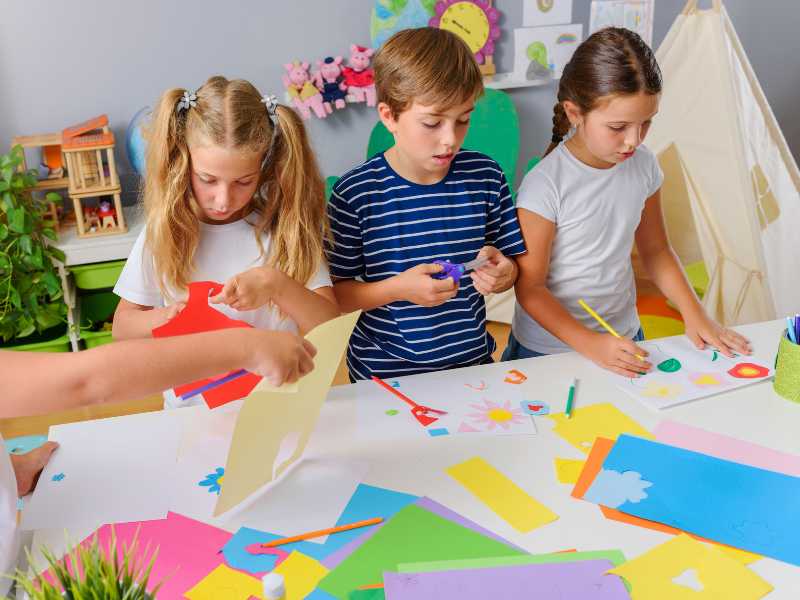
(289, 204)
(427, 65)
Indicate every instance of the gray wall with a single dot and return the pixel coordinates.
(62, 62)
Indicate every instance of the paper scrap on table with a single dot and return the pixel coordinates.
(224, 582)
(112, 467)
(301, 574)
(273, 428)
(501, 495)
(594, 463)
(728, 502)
(593, 421)
(567, 469)
(653, 575)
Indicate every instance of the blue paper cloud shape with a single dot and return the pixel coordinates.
(613, 489)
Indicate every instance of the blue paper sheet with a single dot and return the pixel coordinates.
(735, 504)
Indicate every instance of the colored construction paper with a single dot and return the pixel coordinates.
(367, 502)
(199, 316)
(301, 574)
(224, 582)
(568, 470)
(728, 502)
(187, 549)
(594, 463)
(593, 421)
(238, 557)
(273, 428)
(652, 575)
(413, 534)
(726, 447)
(586, 580)
(501, 495)
(113, 469)
(616, 557)
(371, 594)
(430, 505)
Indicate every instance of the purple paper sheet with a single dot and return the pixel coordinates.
(583, 580)
(332, 561)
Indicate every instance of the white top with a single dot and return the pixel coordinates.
(224, 251)
(9, 536)
(596, 213)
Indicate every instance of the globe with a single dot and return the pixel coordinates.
(391, 16)
(134, 140)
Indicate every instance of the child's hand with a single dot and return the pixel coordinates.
(28, 466)
(617, 355)
(281, 357)
(497, 275)
(416, 285)
(248, 290)
(701, 331)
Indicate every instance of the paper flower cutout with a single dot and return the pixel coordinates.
(213, 481)
(748, 371)
(613, 489)
(493, 415)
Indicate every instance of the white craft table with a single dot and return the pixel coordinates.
(754, 413)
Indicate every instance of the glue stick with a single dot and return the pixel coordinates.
(274, 588)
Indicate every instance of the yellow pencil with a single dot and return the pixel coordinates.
(602, 322)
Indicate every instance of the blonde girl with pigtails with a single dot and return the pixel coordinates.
(232, 194)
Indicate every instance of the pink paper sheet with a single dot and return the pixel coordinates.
(188, 550)
(726, 447)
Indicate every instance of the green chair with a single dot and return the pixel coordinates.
(493, 130)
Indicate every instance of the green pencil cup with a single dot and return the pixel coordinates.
(787, 370)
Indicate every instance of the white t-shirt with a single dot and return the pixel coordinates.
(223, 251)
(596, 213)
(9, 535)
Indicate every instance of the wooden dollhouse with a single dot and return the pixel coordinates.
(89, 155)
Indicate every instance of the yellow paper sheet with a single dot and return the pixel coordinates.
(651, 575)
(270, 422)
(224, 582)
(502, 495)
(596, 420)
(568, 470)
(301, 574)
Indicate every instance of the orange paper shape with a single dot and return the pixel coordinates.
(515, 377)
(197, 317)
(594, 463)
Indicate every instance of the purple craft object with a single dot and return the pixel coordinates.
(214, 384)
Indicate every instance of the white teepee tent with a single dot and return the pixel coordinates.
(731, 193)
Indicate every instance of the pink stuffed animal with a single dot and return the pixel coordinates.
(303, 92)
(359, 78)
(330, 82)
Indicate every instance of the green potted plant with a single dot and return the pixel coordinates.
(31, 298)
(101, 574)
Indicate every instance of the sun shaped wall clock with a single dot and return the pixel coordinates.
(474, 21)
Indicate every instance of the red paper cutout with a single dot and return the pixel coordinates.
(197, 317)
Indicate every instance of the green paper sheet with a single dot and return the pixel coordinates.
(413, 534)
(374, 594)
(615, 556)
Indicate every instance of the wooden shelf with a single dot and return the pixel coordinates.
(52, 184)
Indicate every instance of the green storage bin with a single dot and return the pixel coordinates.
(96, 308)
(52, 340)
(97, 275)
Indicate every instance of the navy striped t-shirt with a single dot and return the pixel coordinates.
(384, 224)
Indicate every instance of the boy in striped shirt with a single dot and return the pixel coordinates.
(424, 199)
